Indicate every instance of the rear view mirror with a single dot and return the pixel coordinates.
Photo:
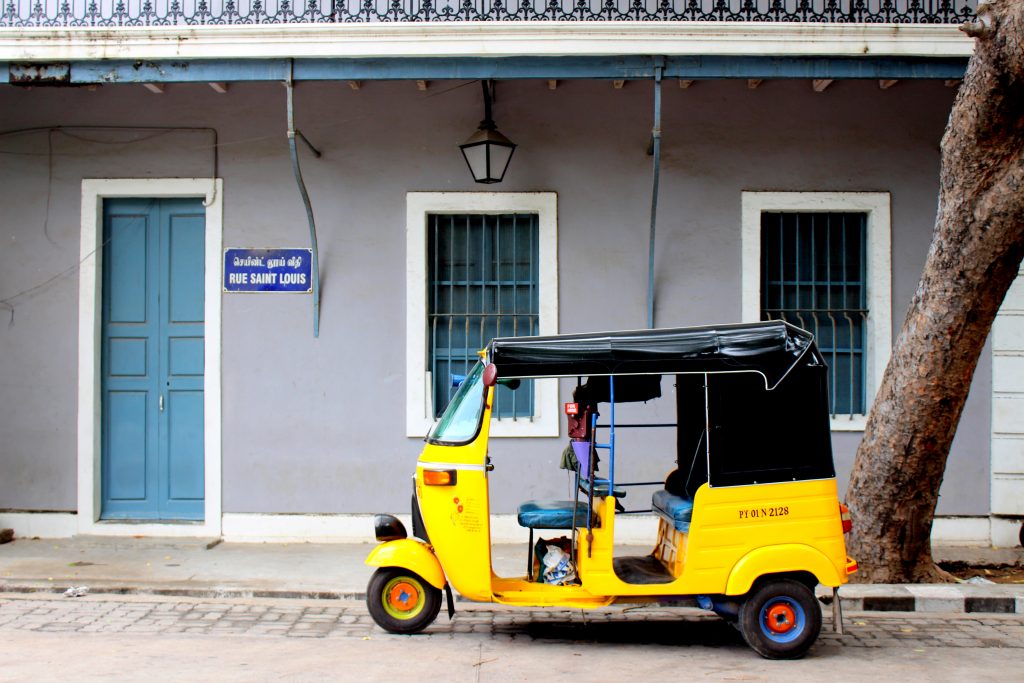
(491, 378)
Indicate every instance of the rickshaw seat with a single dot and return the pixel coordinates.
(675, 510)
(554, 514)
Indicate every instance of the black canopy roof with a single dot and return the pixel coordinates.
(771, 348)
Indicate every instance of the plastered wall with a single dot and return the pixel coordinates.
(317, 425)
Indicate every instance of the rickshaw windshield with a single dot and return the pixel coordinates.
(461, 420)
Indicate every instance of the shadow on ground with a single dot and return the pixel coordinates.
(702, 633)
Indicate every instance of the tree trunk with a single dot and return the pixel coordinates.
(976, 251)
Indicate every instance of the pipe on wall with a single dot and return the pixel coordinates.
(293, 149)
(659, 68)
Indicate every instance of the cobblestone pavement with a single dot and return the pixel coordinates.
(478, 622)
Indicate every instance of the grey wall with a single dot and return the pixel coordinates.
(317, 425)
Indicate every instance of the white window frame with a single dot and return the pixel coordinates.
(90, 328)
(878, 277)
(419, 205)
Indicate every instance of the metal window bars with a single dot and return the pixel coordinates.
(483, 282)
(814, 275)
(115, 13)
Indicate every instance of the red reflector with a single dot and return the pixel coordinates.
(846, 517)
(439, 477)
(572, 408)
(851, 565)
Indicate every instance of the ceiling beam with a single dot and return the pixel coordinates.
(422, 85)
(157, 88)
(754, 83)
(820, 84)
(552, 84)
(219, 87)
(355, 85)
(685, 83)
(619, 84)
(541, 68)
(887, 83)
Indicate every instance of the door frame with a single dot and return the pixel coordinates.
(90, 327)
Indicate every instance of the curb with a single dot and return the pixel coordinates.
(208, 593)
(925, 598)
(945, 598)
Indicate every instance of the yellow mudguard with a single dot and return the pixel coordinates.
(781, 558)
(410, 554)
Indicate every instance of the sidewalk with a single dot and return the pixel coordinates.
(336, 571)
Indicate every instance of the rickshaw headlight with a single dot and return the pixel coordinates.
(388, 528)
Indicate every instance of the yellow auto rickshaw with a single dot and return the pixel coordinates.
(749, 518)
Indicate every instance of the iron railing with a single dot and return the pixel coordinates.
(116, 13)
(483, 282)
(814, 276)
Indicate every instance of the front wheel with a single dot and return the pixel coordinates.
(400, 601)
(781, 619)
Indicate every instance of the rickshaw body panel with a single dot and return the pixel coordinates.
(408, 553)
(731, 542)
(739, 533)
(457, 517)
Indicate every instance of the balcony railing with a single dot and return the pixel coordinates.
(115, 13)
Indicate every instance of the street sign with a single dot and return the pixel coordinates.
(268, 270)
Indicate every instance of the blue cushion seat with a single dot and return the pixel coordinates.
(674, 509)
(553, 514)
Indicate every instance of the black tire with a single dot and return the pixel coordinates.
(780, 619)
(400, 601)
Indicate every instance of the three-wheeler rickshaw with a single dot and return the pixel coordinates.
(749, 521)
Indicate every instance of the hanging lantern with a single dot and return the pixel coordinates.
(487, 152)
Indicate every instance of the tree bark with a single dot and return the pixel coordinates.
(976, 251)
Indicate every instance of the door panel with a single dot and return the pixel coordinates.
(182, 360)
(127, 357)
(126, 429)
(130, 355)
(153, 459)
(127, 264)
(186, 357)
(186, 235)
(185, 471)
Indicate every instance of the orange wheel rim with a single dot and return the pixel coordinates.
(781, 618)
(403, 596)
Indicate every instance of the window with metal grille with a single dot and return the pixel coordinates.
(482, 283)
(813, 275)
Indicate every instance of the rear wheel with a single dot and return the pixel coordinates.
(781, 619)
(400, 601)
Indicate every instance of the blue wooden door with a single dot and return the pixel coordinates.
(153, 360)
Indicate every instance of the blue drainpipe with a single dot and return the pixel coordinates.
(659, 68)
(292, 133)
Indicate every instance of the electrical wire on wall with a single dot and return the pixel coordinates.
(150, 132)
(75, 132)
